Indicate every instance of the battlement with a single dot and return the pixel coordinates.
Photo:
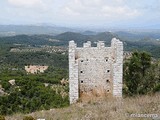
(100, 44)
(95, 71)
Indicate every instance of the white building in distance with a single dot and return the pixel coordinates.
(35, 69)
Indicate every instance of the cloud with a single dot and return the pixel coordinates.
(26, 3)
(69, 11)
(105, 12)
(105, 9)
(122, 11)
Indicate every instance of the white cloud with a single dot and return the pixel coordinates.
(26, 3)
(105, 12)
(70, 11)
(105, 9)
(122, 11)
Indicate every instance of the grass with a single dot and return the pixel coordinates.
(108, 109)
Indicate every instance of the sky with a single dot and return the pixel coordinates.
(70, 13)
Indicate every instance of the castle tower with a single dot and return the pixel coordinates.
(95, 71)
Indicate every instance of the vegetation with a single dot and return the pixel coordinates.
(108, 109)
(28, 118)
(34, 58)
(141, 76)
(33, 92)
(2, 117)
(30, 92)
(149, 45)
(146, 42)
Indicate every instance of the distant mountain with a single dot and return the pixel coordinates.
(104, 36)
(67, 36)
(80, 38)
(147, 44)
(89, 33)
(10, 30)
(138, 35)
(60, 39)
(32, 40)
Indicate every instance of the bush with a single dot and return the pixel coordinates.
(28, 118)
(2, 117)
(140, 74)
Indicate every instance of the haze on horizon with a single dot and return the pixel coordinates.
(76, 13)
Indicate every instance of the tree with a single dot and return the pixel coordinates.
(136, 77)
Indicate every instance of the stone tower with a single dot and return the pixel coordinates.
(95, 70)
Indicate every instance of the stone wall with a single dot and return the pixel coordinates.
(95, 70)
(73, 74)
(117, 47)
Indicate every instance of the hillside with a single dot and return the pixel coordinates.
(52, 93)
(103, 110)
(138, 35)
(60, 39)
(131, 41)
(104, 36)
(27, 39)
(81, 38)
(67, 36)
(88, 32)
(140, 43)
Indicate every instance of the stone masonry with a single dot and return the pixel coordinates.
(95, 70)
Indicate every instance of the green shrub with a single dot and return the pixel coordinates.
(2, 117)
(141, 74)
(28, 118)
